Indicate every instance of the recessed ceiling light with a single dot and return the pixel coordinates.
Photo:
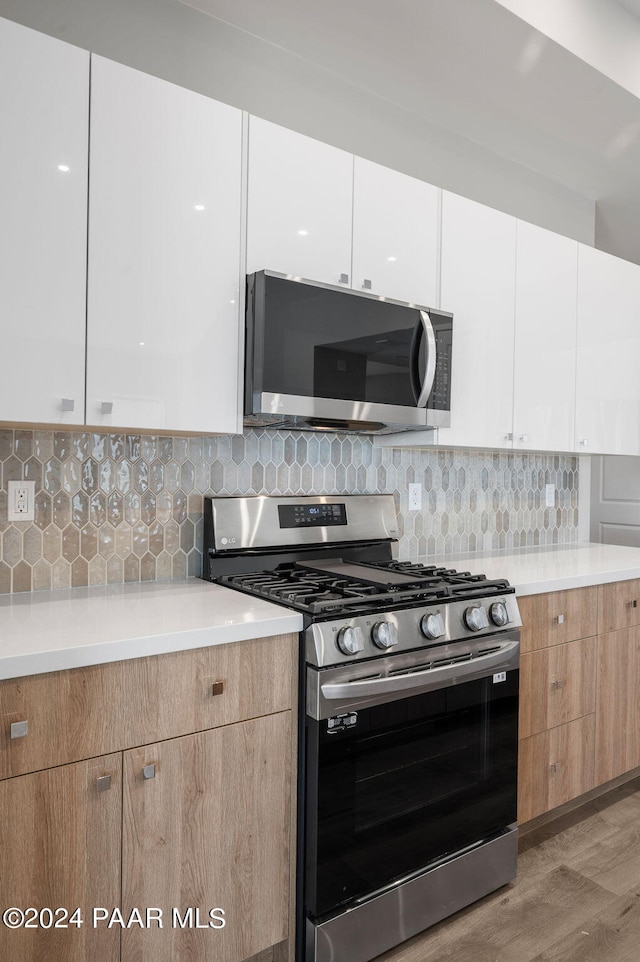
(64, 168)
(199, 207)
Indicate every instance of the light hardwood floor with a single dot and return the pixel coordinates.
(576, 897)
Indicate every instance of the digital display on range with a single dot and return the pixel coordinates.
(311, 515)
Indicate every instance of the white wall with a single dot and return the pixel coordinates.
(178, 43)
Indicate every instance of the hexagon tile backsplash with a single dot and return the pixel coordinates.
(112, 508)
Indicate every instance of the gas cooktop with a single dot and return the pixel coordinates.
(337, 587)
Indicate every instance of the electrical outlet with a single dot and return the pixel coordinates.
(549, 495)
(415, 496)
(20, 500)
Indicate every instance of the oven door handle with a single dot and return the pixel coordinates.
(416, 681)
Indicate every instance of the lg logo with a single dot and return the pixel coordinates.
(227, 541)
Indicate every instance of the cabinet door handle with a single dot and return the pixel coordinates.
(559, 619)
(558, 684)
(366, 284)
(217, 688)
(509, 436)
(584, 442)
(106, 407)
(67, 404)
(103, 783)
(344, 279)
(553, 767)
(149, 771)
(633, 603)
(524, 437)
(19, 729)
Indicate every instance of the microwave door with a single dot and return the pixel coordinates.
(423, 333)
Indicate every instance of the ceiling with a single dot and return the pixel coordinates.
(473, 68)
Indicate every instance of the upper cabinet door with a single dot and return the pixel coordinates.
(299, 205)
(395, 234)
(44, 105)
(164, 255)
(608, 355)
(478, 286)
(545, 344)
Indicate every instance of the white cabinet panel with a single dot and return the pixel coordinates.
(395, 234)
(164, 255)
(608, 355)
(299, 205)
(478, 286)
(545, 339)
(44, 106)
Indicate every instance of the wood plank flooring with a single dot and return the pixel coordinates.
(576, 897)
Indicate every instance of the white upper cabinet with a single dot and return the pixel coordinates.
(164, 255)
(300, 199)
(318, 212)
(44, 111)
(478, 287)
(608, 356)
(395, 234)
(545, 339)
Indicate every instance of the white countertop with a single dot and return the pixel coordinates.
(535, 570)
(69, 628)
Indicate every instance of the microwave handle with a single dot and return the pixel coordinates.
(424, 390)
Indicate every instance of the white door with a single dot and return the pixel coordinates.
(608, 354)
(44, 116)
(395, 234)
(299, 205)
(478, 286)
(164, 255)
(545, 340)
(615, 500)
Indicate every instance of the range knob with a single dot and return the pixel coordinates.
(475, 618)
(499, 614)
(384, 634)
(432, 626)
(350, 640)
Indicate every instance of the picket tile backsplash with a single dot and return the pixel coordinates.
(113, 508)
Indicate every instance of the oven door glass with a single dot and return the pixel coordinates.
(410, 783)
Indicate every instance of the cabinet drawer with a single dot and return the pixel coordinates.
(618, 605)
(555, 766)
(557, 685)
(99, 709)
(557, 617)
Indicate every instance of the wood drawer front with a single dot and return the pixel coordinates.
(557, 617)
(618, 704)
(557, 685)
(99, 709)
(555, 766)
(618, 605)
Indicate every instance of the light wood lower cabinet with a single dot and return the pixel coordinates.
(191, 822)
(209, 830)
(618, 704)
(557, 699)
(60, 841)
(555, 766)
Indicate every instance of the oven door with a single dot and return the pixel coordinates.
(417, 776)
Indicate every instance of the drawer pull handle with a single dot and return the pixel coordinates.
(19, 729)
(103, 783)
(560, 619)
(634, 603)
(149, 771)
(217, 688)
(557, 685)
(553, 767)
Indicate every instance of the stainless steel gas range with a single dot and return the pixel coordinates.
(408, 716)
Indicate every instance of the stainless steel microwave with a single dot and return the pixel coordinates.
(328, 358)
